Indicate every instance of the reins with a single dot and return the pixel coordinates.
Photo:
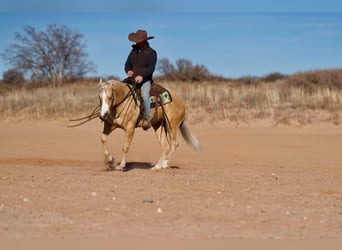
(129, 94)
(96, 112)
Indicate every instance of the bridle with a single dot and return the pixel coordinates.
(113, 105)
(96, 112)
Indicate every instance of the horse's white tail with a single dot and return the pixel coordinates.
(190, 138)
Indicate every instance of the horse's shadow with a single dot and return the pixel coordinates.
(143, 165)
(138, 165)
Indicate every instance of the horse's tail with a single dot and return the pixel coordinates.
(190, 138)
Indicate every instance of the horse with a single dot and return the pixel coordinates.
(120, 108)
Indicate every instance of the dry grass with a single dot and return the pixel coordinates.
(246, 103)
(48, 103)
(206, 102)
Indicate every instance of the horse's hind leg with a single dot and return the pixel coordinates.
(173, 144)
(169, 143)
(163, 141)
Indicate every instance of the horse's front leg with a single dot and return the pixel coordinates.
(107, 129)
(108, 157)
(127, 143)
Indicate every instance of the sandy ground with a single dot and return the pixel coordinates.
(253, 181)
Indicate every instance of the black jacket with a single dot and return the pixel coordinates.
(142, 62)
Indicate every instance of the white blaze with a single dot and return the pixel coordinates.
(104, 106)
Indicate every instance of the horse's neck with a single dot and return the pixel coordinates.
(123, 98)
(120, 91)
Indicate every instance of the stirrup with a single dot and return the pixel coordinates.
(146, 124)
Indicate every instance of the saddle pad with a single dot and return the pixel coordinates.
(160, 94)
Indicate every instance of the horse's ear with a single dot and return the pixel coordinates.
(101, 83)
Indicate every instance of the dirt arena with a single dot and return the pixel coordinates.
(251, 181)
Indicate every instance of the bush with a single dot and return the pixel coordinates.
(273, 77)
(183, 70)
(13, 76)
(311, 80)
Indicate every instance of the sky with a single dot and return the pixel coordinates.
(230, 38)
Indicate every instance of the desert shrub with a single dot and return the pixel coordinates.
(312, 80)
(248, 80)
(273, 77)
(183, 70)
(13, 76)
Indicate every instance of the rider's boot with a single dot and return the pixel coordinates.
(146, 124)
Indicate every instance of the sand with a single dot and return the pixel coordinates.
(249, 182)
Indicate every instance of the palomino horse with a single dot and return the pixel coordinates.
(120, 109)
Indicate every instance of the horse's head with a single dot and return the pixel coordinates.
(106, 99)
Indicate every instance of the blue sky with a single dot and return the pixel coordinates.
(173, 5)
(232, 39)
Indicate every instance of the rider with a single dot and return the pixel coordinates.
(140, 65)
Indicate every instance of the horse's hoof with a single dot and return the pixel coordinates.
(109, 169)
(110, 165)
(120, 169)
(165, 164)
(156, 168)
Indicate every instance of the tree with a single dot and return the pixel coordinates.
(13, 76)
(184, 70)
(165, 67)
(55, 55)
(188, 71)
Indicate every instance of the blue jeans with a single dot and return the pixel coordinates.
(145, 94)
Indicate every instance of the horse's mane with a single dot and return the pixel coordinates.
(118, 88)
(108, 82)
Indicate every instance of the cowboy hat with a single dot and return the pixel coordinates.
(139, 36)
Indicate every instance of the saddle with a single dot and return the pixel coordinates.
(159, 96)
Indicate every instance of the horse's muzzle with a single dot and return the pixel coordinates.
(104, 117)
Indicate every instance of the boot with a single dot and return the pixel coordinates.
(146, 124)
